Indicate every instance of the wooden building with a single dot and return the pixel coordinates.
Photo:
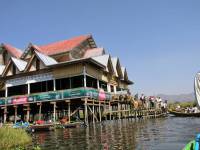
(59, 79)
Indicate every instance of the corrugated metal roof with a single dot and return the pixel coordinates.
(103, 59)
(114, 62)
(2, 67)
(20, 64)
(15, 52)
(123, 71)
(46, 59)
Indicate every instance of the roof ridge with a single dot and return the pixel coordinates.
(60, 41)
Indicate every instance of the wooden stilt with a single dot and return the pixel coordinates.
(28, 114)
(119, 113)
(40, 110)
(110, 110)
(5, 115)
(86, 112)
(69, 112)
(54, 112)
(99, 111)
(15, 117)
(93, 111)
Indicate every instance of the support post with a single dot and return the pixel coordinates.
(99, 111)
(40, 110)
(110, 110)
(69, 112)
(28, 113)
(119, 113)
(98, 87)
(5, 114)
(28, 88)
(86, 112)
(93, 111)
(54, 111)
(54, 84)
(6, 94)
(84, 76)
(15, 117)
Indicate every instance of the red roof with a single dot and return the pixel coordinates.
(13, 51)
(94, 52)
(62, 46)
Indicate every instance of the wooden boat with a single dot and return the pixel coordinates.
(73, 125)
(183, 114)
(41, 127)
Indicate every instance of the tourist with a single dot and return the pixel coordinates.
(142, 98)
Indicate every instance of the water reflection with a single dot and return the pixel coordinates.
(151, 134)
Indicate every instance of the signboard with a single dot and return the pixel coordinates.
(74, 93)
(19, 100)
(48, 96)
(45, 96)
(2, 101)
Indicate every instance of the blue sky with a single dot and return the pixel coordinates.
(157, 40)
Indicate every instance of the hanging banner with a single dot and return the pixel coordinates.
(102, 95)
(2, 101)
(19, 100)
(72, 93)
(46, 96)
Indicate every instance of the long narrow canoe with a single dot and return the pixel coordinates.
(182, 114)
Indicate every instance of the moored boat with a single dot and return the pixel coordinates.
(73, 125)
(183, 114)
(41, 127)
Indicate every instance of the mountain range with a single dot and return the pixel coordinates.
(178, 98)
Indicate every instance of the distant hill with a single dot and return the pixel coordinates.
(178, 98)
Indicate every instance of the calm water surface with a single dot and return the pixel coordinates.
(170, 133)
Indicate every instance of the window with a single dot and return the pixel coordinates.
(91, 82)
(63, 83)
(2, 93)
(18, 90)
(43, 86)
(77, 81)
(118, 88)
(103, 85)
(111, 88)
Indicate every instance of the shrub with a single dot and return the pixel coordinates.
(13, 138)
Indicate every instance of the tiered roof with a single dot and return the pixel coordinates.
(45, 53)
(15, 52)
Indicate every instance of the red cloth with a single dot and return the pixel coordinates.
(39, 122)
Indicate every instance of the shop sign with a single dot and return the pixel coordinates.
(19, 100)
(46, 96)
(2, 101)
(74, 93)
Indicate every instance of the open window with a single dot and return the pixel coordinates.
(77, 81)
(91, 82)
(43, 86)
(103, 85)
(63, 83)
(18, 90)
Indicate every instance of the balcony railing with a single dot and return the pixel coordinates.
(54, 96)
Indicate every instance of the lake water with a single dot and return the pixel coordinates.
(169, 133)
